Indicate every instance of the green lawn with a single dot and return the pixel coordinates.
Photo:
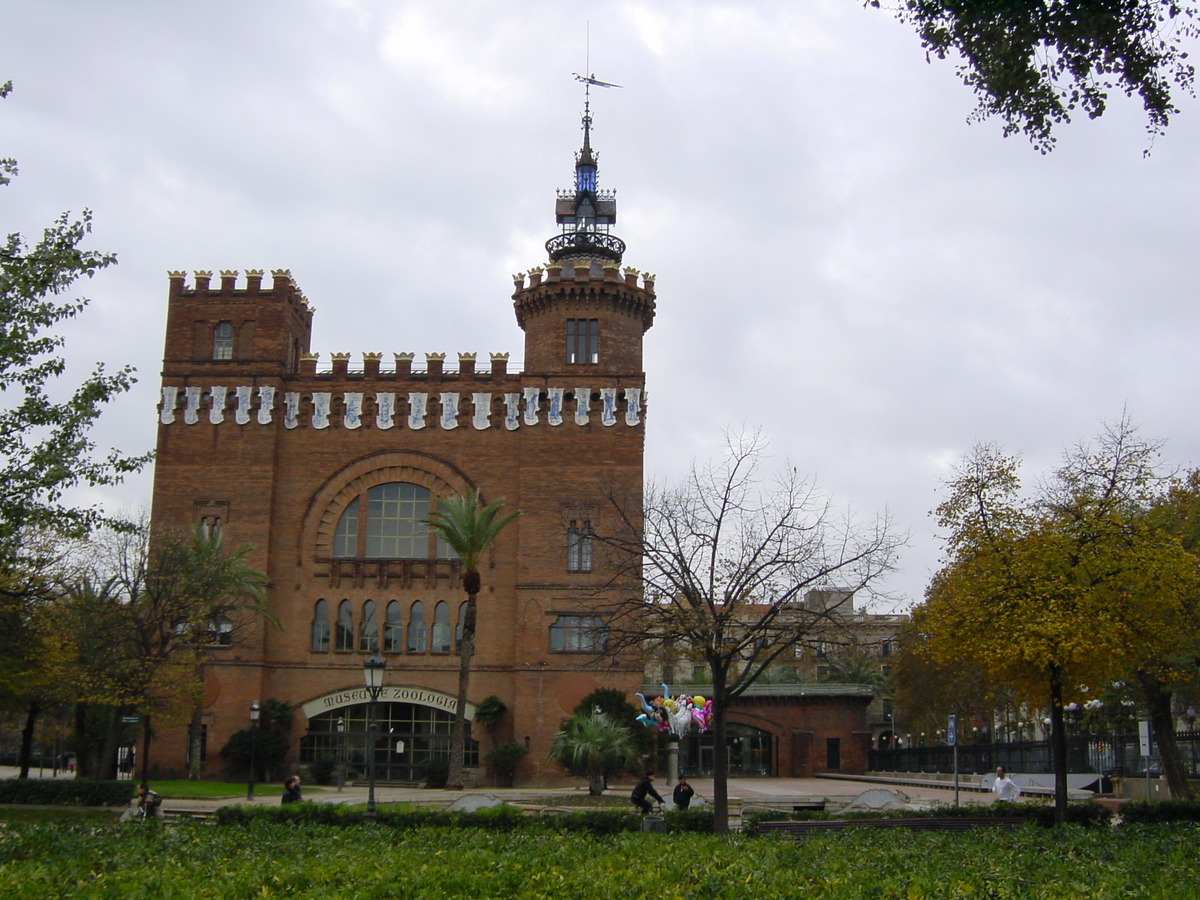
(212, 790)
(45, 862)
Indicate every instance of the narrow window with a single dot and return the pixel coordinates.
(578, 634)
(368, 629)
(416, 628)
(345, 627)
(223, 341)
(458, 630)
(579, 547)
(320, 627)
(441, 628)
(345, 539)
(393, 631)
(583, 341)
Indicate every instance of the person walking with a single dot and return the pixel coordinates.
(640, 790)
(291, 789)
(1004, 787)
(683, 793)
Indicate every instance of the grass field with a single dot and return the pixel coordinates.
(43, 862)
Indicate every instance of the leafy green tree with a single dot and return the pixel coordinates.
(141, 622)
(1077, 584)
(45, 448)
(593, 746)
(1035, 63)
(469, 529)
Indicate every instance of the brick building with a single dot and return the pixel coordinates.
(328, 471)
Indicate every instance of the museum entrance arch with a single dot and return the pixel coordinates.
(413, 733)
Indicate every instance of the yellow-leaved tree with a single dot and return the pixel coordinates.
(1082, 581)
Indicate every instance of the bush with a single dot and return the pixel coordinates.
(437, 773)
(698, 821)
(322, 769)
(1086, 814)
(1152, 812)
(503, 760)
(39, 792)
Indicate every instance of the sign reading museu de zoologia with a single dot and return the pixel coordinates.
(389, 694)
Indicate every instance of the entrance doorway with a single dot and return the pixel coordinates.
(409, 738)
(749, 753)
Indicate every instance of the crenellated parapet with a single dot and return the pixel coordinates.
(252, 289)
(405, 366)
(528, 406)
(584, 284)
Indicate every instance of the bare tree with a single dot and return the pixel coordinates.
(721, 564)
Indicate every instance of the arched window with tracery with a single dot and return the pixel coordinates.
(393, 630)
(416, 628)
(458, 629)
(368, 629)
(320, 627)
(345, 627)
(441, 627)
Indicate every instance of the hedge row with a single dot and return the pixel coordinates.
(495, 818)
(1087, 814)
(73, 792)
(282, 862)
(1152, 812)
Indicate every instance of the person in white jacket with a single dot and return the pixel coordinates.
(1004, 787)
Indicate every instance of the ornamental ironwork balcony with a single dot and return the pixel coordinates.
(591, 243)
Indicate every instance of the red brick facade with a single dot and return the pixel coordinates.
(275, 448)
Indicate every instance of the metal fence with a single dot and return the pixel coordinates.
(1086, 754)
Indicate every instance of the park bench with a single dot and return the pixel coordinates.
(800, 830)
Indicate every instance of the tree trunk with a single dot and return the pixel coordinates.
(466, 650)
(1158, 703)
(146, 748)
(1058, 745)
(720, 773)
(106, 768)
(31, 715)
(195, 743)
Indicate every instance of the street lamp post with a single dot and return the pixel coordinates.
(253, 745)
(341, 731)
(373, 676)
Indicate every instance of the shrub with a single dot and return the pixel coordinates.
(39, 792)
(503, 760)
(437, 773)
(1151, 812)
(699, 821)
(323, 769)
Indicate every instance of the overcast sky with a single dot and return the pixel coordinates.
(841, 259)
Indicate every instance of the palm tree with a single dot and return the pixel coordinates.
(594, 746)
(469, 529)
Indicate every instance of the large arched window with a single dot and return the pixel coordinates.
(345, 539)
(320, 627)
(368, 629)
(393, 631)
(416, 628)
(387, 521)
(441, 628)
(345, 627)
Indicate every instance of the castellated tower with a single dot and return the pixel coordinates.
(328, 469)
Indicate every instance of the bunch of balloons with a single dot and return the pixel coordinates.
(676, 715)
